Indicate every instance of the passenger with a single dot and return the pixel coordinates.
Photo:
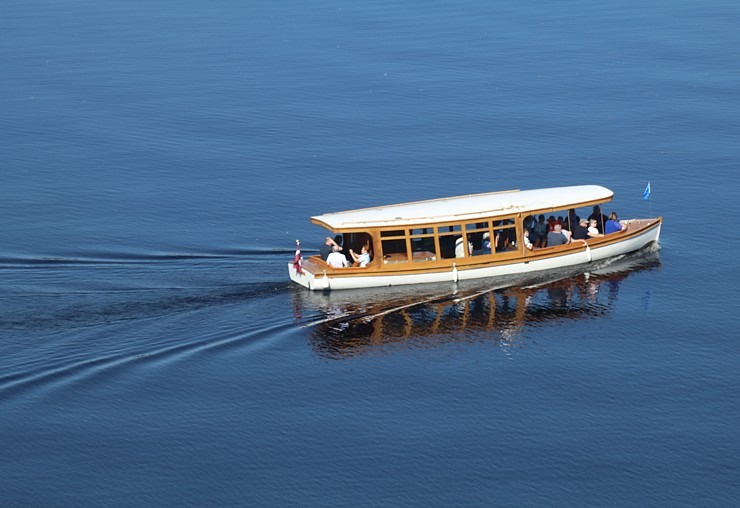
(529, 224)
(540, 230)
(500, 240)
(593, 230)
(329, 245)
(486, 243)
(363, 258)
(525, 238)
(460, 250)
(613, 225)
(557, 236)
(599, 217)
(580, 232)
(571, 221)
(551, 221)
(336, 259)
(511, 237)
(338, 240)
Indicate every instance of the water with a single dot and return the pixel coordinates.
(159, 160)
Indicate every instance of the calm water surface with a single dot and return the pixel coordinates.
(158, 161)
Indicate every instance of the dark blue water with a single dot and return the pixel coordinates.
(159, 159)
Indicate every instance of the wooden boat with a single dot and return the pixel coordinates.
(423, 241)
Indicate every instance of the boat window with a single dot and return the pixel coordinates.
(476, 233)
(395, 250)
(422, 231)
(476, 226)
(457, 228)
(356, 241)
(423, 247)
(397, 232)
(448, 236)
(504, 235)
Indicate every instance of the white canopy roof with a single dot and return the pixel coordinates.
(466, 208)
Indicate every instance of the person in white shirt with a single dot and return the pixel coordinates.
(527, 243)
(363, 258)
(593, 229)
(336, 259)
(460, 249)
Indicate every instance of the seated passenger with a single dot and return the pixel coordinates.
(540, 230)
(336, 259)
(529, 223)
(363, 258)
(580, 232)
(571, 221)
(329, 245)
(486, 243)
(593, 230)
(557, 236)
(527, 243)
(460, 250)
(599, 217)
(613, 225)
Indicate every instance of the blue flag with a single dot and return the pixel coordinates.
(646, 194)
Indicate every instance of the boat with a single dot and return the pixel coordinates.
(425, 241)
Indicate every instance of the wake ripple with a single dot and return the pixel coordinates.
(111, 308)
(93, 370)
(122, 258)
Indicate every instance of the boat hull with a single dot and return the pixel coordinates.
(577, 254)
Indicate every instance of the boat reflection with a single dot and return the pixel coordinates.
(351, 323)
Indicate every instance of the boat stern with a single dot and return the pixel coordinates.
(304, 278)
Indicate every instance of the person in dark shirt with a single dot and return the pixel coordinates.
(571, 221)
(557, 236)
(329, 245)
(540, 231)
(580, 232)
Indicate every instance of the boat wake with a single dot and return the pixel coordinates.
(87, 309)
(76, 370)
(73, 319)
(133, 257)
(93, 336)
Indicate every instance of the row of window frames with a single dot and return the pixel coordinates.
(469, 228)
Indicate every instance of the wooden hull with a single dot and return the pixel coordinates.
(641, 233)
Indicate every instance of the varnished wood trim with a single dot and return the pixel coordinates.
(317, 266)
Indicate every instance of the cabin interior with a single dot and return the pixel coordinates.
(447, 241)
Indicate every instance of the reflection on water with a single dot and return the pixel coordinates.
(354, 323)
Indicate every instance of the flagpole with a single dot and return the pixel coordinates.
(646, 197)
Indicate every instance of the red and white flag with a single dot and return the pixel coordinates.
(297, 258)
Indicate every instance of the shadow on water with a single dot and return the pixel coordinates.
(359, 323)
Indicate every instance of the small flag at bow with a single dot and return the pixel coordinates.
(646, 194)
(297, 258)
